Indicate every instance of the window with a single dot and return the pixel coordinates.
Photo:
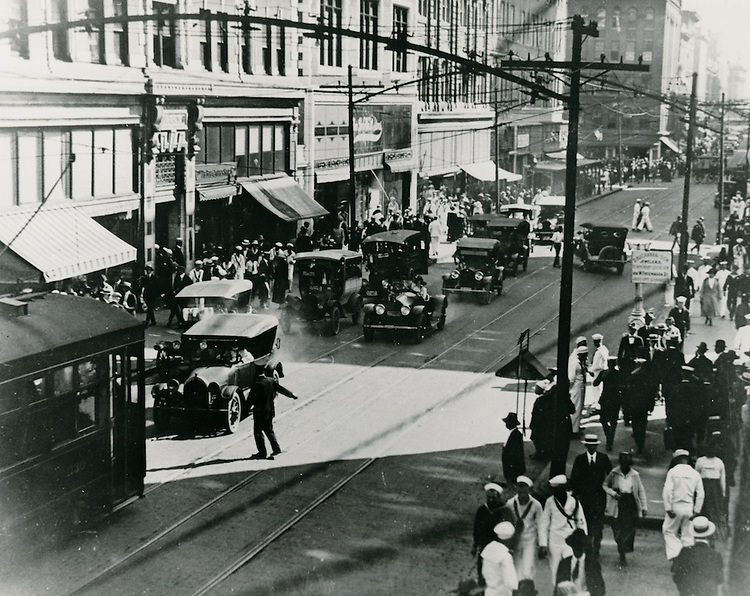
(123, 161)
(104, 161)
(204, 34)
(213, 144)
(614, 50)
(268, 51)
(7, 169)
(222, 42)
(281, 52)
(616, 20)
(60, 44)
(120, 33)
(601, 18)
(29, 144)
(267, 155)
(18, 17)
(629, 51)
(632, 15)
(82, 141)
(89, 387)
(649, 14)
(164, 32)
(247, 56)
(55, 156)
(599, 49)
(330, 45)
(368, 24)
(280, 158)
(94, 34)
(227, 143)
(240, 149)
(253, 151)
(400, 23)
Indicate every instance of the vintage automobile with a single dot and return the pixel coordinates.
(328, 283)
(210, 371)
(404, 307)
(513, 235)
(392, 255)
(478, 269)
(602, 244)
(519, 211)
(551, 214)
(706, 168)
(206, 298)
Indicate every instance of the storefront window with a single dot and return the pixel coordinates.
(281, 155)
(81, 143)
(267, 158)
(123, 161)
(29, 164)
(240, 147)
(7, 169)
(104, 148)
(227, 144)
(253, 151)
(55, 153)
(213, 144)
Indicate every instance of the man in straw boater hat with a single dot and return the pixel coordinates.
(578, 373)
(488, 515)
(562, 514)
(590, 470)
(683, 498)
(528, 512)
(498, 571)
(699, 570)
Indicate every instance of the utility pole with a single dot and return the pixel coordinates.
(496, 129)
(352, 170)
(688, 172)
(571, 175)
(619, 146)
(719, 234)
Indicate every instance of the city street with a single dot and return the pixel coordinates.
(384, 454)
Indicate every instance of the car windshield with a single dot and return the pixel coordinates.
(472, 259)
(551, 212)
(210, 351)
(315, 276)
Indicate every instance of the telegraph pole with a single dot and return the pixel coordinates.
(352, 169)
(721, 172)
(688, 172)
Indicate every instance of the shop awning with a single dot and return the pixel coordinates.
(485, 170)
(217, 192)
(332, 175)
(61, 241)
(401, 165)
(670, 144)
(563, 154)
(283, 197)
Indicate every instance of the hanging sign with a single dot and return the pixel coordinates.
(651, 266)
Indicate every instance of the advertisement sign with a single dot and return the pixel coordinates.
(651, 266)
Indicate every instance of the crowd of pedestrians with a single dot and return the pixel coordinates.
(564, 519)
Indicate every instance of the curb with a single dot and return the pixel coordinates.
(588, 200)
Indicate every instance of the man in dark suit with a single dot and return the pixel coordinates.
(178, 254)
(631, 347)
(697, 570)
(151, 293)
(262, 396)
(514, 463)
(586, 479)
(180, 281)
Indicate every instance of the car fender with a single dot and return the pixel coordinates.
(228, 391)
(368, 307)
(486, 281)
(441, 303)
(417, 310)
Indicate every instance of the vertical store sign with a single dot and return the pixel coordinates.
(170, 134)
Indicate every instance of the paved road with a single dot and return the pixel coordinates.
(400, 436)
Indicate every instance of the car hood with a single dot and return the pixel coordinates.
(407, 299)
(211, 374)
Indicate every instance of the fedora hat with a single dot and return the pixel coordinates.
(511, 418)
(591, 439)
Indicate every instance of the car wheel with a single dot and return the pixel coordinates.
(334, 325)
(368, 332)
(233, 414)
(486, 297)
(285, 322)
(357, 312)
(161, 420)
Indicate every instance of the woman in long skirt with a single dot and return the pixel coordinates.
(710, 297)
(280, 279)
(626, 502)
(711, 470)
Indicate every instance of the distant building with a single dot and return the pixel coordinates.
(736, 89)
(648, 30)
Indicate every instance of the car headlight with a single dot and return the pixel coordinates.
(384, 283)
(203, 345)
(479, 276)
(158, 347)
(379, 309)
(405, 310)
(454, 274)
(176, 345)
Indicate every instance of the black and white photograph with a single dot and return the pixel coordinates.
(374, 297)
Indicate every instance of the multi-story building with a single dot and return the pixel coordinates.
(642, 29)
(175, 125)
(529, 29)
(384, 120)
(455, 116)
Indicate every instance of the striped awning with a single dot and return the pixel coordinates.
(215, 193)
(61, 241)
(283, 197)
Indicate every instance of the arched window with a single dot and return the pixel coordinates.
(615, 20)
(632, 15)
(601, 17)
(649, 14)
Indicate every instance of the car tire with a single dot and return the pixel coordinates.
(357, 312)
(233, 415)
(367, 332)
(334, 323)
(161, 420)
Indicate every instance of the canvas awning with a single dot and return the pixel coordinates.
(217, 192)
(486, 170)
(323, 176)
(670, 144)
(283, 197)
(401, 165)
(61, 241)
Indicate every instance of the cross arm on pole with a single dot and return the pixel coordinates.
(553, 65)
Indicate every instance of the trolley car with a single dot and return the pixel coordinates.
(72, 414)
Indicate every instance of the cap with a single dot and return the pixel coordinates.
(245, 243)
(279, 245)
(559, 480)
(254, 243)
(525, 480)
(702, 527)
(681, 453)
(580, 340)
(504, 530)
(597, 336)
(582, 350)
(639, 360)
(591, 439)
(611, 358)
(148, 268)
(238, 247)
(493, 486)
(687, 368)
(126, 284)
(198, 262)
